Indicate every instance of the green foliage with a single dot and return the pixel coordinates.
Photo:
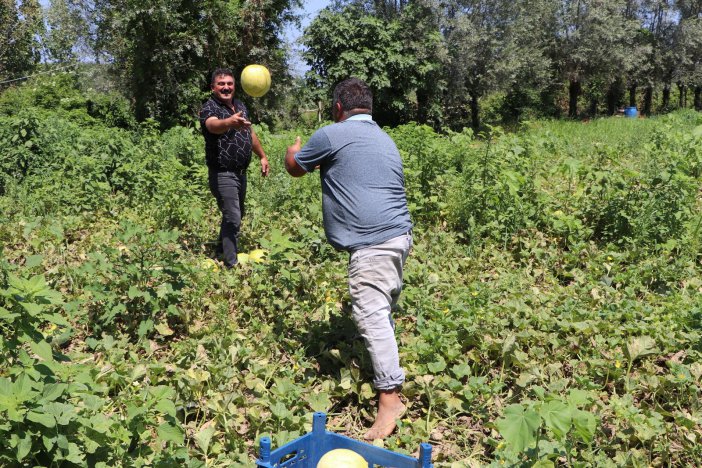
(550, 311)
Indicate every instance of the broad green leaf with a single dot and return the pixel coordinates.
(319, 401)
(171, 433)
(52, 392)
(578, 397)
(640, 346)
(145, 327)
(56, 319)
(75, 454)
(62, 441)
(48, 442)
(22, 388)
(42, 418)
(543, 463)
(438, 366)
(557, 416)
(161, 391)
(7, 316)
(31, 308)
(508, 345)
(166, 407)
(519, 427)
(585, 425)
(100, 423)
(203, 438)
(133, 292)
(163, 329)
(461, 370)
(43, 350)
(24, 446)
(6, 388)
(367, 391)
(63, 412)
(134, 411)
(33, 260)
(279, 410)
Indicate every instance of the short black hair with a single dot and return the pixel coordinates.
(221, 72)
(353, 93)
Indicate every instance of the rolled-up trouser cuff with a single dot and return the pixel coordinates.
(391, 382)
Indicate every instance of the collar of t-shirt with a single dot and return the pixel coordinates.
(361, 117)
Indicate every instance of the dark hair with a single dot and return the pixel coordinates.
(353, 94)
(220, 72)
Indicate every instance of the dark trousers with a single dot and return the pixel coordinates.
(229, 188)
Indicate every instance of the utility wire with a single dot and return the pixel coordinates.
(36, 74)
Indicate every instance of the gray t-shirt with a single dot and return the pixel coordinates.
(363, 188)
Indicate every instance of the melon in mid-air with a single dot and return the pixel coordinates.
(342, 458)
(256, 80)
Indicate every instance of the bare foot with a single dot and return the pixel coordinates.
(390, 409)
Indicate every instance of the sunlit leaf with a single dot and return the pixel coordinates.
(519, 427)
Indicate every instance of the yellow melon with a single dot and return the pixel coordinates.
(342, 458)
(256, 80)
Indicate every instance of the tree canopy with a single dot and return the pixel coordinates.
(449, 63)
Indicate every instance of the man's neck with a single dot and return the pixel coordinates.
(352, 112)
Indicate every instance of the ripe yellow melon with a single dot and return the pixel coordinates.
(242, 258)
(258, 255)
(342, 458)
(209, 265)
(256, 80)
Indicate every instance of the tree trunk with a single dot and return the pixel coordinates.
(422, 106)
(632, 95)
(698, 98)
(666, 96)
(614, 96)
(684, 97)
(474, 111)
(592, 111)
(574, 92)
(648, 99)
(681, 95)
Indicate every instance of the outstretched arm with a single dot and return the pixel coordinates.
(219, 126)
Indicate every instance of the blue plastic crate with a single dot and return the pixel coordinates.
(305, 451)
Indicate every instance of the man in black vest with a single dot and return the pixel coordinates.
(229, 140)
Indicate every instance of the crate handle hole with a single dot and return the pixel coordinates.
(288, 457)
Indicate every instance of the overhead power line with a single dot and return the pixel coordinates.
(36, 74)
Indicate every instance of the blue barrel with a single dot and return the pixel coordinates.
(631, 112)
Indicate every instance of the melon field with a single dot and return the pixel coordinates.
(551, 314)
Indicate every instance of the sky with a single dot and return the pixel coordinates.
(293, 33)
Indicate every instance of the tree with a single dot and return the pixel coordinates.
(688, 51)
(399, 58)
(592, 47)
(476, 33)
(20, 27)
(659, 19)
(530, 80)
(67, 37)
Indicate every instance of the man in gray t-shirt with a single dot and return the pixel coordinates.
(365, 213)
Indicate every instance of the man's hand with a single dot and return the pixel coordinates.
(295, 147)
(291, 165)
(237, 121)
(265, 168)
